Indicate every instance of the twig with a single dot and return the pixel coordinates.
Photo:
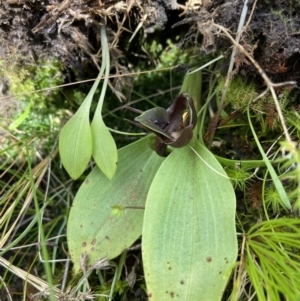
(5, 287)
(241, 264)
(229, 73)
(90, 80)
(269, 83)
(250, 17)
(205, 65)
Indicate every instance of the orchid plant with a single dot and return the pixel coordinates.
(189, 243)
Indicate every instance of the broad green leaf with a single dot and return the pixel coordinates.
(105, 151)
(189, 239)
(75, 139)
(93, 225)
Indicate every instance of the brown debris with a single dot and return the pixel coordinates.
(69, 30)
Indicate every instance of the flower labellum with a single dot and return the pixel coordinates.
(173, 126)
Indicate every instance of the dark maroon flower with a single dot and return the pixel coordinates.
(173, 126)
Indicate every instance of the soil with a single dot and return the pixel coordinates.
(69, 31)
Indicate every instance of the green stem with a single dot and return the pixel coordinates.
(105, 65)
(117, 275)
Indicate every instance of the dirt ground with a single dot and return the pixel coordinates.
(69, 31)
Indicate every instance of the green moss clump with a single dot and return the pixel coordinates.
(239, 93)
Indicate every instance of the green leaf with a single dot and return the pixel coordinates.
(276, 180)
(17, 122)
(189, 238)
(192, 84)
(105, 151)
(272, 259)
(93, 225)
(75, 140)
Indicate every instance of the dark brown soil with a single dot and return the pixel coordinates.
(69, 30)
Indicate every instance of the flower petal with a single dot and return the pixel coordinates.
(181, 112)
(155, 120)
(183, 138)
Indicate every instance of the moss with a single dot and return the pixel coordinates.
(239, 93)
(23, 80)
